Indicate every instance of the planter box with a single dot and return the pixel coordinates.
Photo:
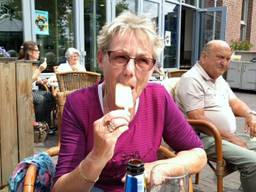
(242, 74)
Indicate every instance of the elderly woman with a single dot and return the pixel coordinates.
(73, 62)
(99, 138)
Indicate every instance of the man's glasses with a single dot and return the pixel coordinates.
(120, 58)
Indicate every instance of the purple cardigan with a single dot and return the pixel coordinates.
(157, 117)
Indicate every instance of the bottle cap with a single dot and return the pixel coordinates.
(135, 167)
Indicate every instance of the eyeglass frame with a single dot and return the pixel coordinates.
(153, 60)
(37, 50)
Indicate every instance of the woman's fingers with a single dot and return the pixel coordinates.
(116, 120)
(107, 130)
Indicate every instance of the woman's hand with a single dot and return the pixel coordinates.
(106, 132)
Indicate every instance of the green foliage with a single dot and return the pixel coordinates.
(121, 6)
(240, 45)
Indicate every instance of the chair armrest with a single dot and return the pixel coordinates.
(210, 129)
(165, 153)
(53, 151)
(30, 178)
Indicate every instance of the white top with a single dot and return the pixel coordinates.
(65, 67)
(196, 90)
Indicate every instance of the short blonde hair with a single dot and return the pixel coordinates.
(125, 23)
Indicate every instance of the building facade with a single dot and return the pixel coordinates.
(185, 25)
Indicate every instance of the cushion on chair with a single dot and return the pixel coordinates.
(170, 85)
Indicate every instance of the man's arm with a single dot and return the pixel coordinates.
(241, 109)
(199, 114)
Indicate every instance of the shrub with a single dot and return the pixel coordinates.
(240, 45)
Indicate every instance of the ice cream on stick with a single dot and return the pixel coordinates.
(124, 96)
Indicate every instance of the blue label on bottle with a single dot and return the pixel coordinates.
(134, 183)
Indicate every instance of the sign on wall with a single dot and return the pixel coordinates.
(167, 38)
(42, 23)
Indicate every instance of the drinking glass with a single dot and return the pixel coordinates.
(169, 178)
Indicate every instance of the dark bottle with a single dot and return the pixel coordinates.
(135, 181)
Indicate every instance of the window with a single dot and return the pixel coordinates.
(94, 19)
(11, 26)
(60, 35)
(171, 12)
(122, 5)
(244, 15)
(190, 2)
(151, 10)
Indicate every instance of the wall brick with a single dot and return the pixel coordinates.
(234, 10)
(253, 26)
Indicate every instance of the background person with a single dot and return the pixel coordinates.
(98, 138)
(43, 101)
(202, 93)
(72, 62)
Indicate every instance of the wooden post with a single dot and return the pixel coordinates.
(16, 131)
(24, 108)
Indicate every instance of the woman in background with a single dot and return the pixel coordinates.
(43, 100)
(73, 62)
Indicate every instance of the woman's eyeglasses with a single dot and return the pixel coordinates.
(120, 58)
(36, 50)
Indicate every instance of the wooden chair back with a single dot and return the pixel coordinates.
(176, 73)
(70, 81)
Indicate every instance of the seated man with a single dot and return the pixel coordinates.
(202, 93)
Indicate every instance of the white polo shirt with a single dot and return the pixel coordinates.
(196, 90)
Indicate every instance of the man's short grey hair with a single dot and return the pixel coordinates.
(209, 45)
(125, 23)
(70, 51)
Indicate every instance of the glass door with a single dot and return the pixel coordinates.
(210, 24)
(151, 10)
(94, 19)
(54, 29)
(171, 37)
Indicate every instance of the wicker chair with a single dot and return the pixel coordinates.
(70, 81)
